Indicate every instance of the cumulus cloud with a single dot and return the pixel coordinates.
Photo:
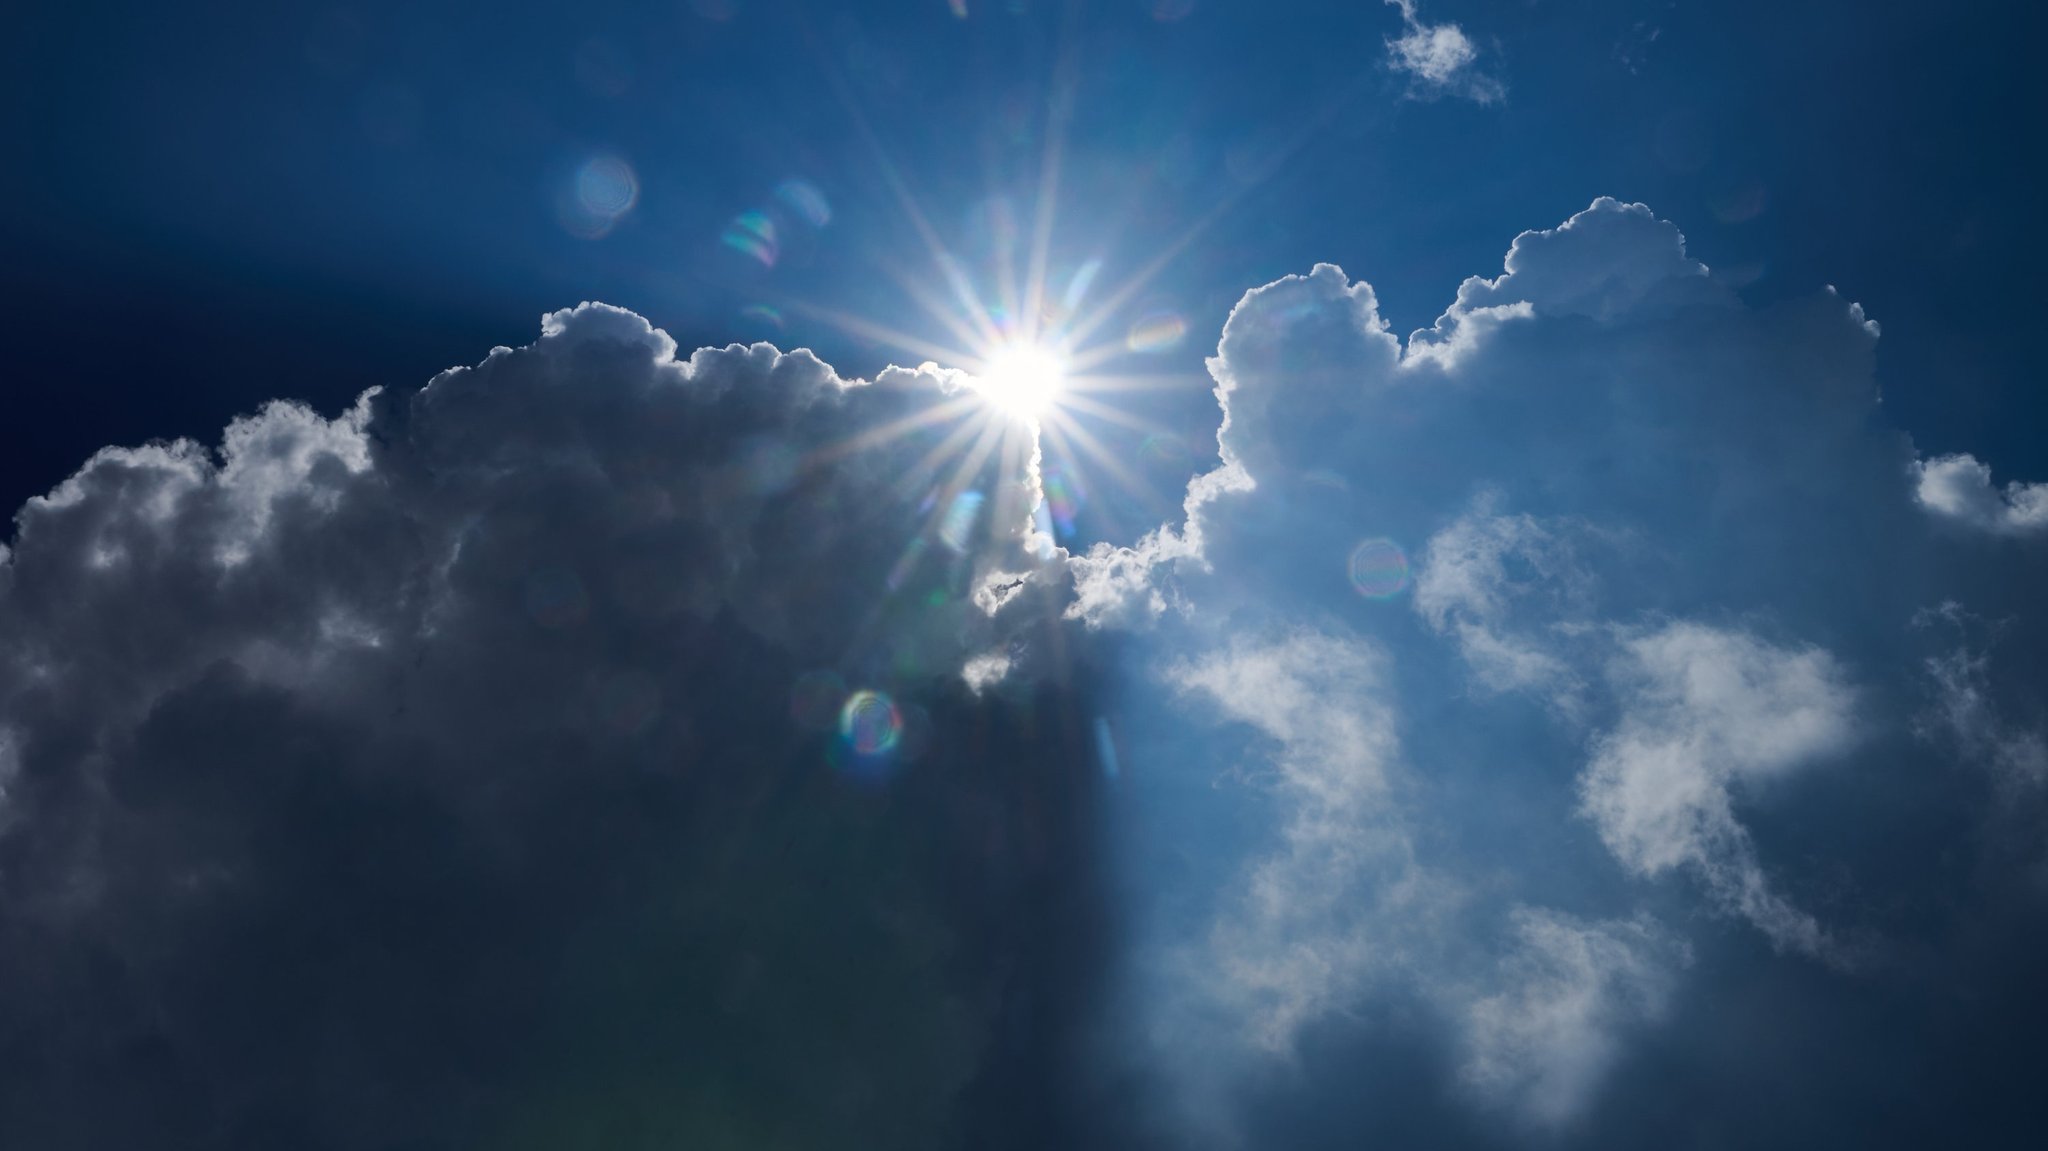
(1439, 57)
(1959, 488)
(495, 759)
(1611, 487)
(492, 763)
(1123, 586)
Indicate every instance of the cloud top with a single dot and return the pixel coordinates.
(500, 757)
(1651, 649)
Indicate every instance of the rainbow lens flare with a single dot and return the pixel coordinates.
(753, 233)
(1379, 569)
(869, 724)
(956, 529)
(1156, 332)
(603, 191)
(803, 198)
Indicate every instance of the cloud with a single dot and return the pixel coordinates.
(545, 757)
(1610, 261)
(1965, 711)
(1959, 488)
(604, 745)
(1439, 57)
(1570, 992)
(1308, 922)
(1120, 586)
(1704, 712)
(1476, 575)
(1654, 564)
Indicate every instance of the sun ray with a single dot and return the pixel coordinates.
(1100, 410)
(972, 460)
(900, 189)
(955, 407)
(1013, 505)
(882, 333)
(934, 305)
(1071, 458)
(1112, 383)
(1272, 163)
(863, 634)
(1031, 359)
(951, 445)
(1059, 107)
(1073, 435)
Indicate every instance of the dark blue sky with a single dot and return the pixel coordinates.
(210, 192)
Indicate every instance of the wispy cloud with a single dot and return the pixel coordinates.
(1706, 712)
(1310, 920)
(1570, 992)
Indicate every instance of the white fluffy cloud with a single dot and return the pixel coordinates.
(1959, 488)
(1439, 57)
(1664, 515)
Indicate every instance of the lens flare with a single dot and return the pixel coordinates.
(1379, 569)
(764, 316)
(1064, 497)
(754, 234)
(956, 529)
(869, 724)
(1023, 378)
(1156, 332)
(804, 198)
(1165, 451)
(603, 190)
(606, 187)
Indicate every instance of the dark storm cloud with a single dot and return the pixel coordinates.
(1554, 672)
(428, 776)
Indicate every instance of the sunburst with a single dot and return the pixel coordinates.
(1037, 363)
(1022, 378)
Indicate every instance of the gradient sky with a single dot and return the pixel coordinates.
(1610, 716)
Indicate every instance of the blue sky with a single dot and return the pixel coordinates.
(361, 168)
(1609, 715)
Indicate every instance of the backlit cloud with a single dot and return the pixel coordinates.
(496, 760)
(1661, 572)
(1507, 693)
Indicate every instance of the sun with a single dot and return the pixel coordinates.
(1023, 378)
